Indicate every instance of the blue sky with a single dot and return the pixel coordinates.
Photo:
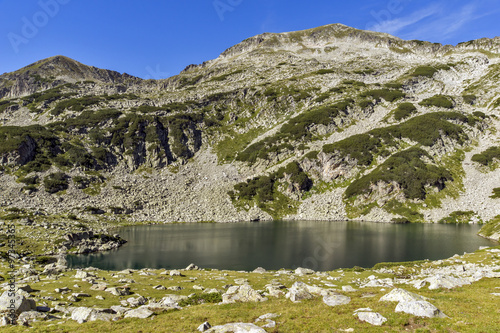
(158, 38)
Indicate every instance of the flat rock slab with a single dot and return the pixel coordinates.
(142, 313)
(236, 328)
(334, 300)
(420, 309)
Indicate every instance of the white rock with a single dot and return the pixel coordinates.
(243, 293)
(303, 271)
(420, 309)
(401, 295)
(81, 314)
(373, 318)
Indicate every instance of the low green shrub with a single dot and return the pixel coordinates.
(469, 99)
(407, 169)
(488, 156)
(404, 110)
(496, 193)
(458, 217)
(55, 182)
(387, 94)
(440, 101)
(426, 71)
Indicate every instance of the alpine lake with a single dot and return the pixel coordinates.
(319, 245)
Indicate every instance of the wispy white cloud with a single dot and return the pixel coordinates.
(437, 22)
(393, 26)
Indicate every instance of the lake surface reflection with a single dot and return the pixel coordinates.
(318, 245)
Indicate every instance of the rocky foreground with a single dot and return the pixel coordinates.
(460, 293)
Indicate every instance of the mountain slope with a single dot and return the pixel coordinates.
(325, 123)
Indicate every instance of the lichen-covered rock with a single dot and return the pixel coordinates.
(243, 293)
(370, 317)
(420, 309)
(14, 301)
(334, 300)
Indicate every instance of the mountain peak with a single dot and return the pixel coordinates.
(50, 72)
(320, 36)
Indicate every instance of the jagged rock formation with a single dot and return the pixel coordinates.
(325, 123)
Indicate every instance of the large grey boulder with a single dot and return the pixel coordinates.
(300, 290)
(401, 295)
(141, 313)
(82, 314)
(18, 303)
(420, 309)
(243, 293)
(118, 291)
(236, 328)
(136, 301)
(334, 300)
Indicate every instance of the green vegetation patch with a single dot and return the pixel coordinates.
(440, 101)
(496, 193)
(404, 110)
(426, 71)
(470, 99)
(12, 137)
(297, 128)
(6, 104)
(408, 170)
(458, 217)
(387, 94)
(425, 130)
(488, 156)
(55, 182)
(264, 190)
(492, 227)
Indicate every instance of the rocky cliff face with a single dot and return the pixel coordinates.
(326, 123)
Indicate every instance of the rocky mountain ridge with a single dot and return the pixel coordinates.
(325, 123)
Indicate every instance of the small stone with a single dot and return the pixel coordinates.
(175, 273)
(192, 267)
(159, 287)
(259, 270)
(303, 271)
(203, 327)
(175, 288)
